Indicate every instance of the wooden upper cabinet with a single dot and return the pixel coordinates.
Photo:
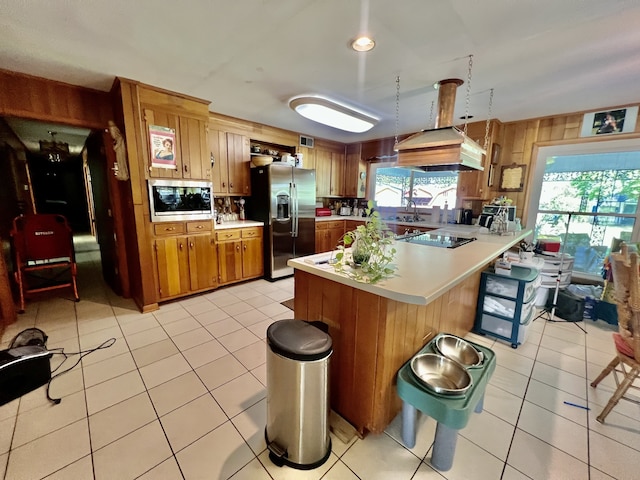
(231, 157)
(162, 118)
(239, 157)
(337, 174)
(323, 173)
(191, 150)
(220, 168)
(355, 173)
(193, 147)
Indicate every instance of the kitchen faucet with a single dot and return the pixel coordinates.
(415, 209)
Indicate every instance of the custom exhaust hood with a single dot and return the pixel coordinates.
(444, 147)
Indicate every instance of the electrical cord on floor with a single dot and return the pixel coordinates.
(83, 353)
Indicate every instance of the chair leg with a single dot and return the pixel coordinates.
(19, 281)
(619, 393)
(74, 273)
(608, 369)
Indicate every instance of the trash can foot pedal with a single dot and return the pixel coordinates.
(277, 454)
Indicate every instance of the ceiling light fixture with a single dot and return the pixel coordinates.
(336, 115)
(55, 151)
(363, 44)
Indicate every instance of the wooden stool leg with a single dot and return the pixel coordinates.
(409, 416)
(619, 393)
(444, 447)
(608, 369)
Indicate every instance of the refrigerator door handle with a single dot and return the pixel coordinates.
(294, 210)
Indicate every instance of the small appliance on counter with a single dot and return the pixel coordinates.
(345, 211)
(323, 212)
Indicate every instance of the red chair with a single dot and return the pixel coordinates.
(43, 253)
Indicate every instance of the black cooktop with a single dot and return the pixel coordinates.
(435, 239)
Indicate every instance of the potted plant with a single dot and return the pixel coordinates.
(367, 251)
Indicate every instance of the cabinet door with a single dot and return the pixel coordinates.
(196, 162)
(172, 261)
(322, 241)
(229, 261)
(323, 173)
(203, 265)
(335, 236)
(162, 119)
(239, 157)
(337, 174)
(220, 168)
(252, 258)
(355, 173)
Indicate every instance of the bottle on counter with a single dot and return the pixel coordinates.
(445, 213)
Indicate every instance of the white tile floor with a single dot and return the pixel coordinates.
(181, 394)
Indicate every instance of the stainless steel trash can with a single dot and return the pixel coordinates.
(297, 431)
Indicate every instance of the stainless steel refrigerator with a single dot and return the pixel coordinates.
(284, 198)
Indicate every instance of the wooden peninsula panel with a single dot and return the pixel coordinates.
(372, 338)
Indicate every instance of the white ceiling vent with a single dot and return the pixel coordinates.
(306, 141)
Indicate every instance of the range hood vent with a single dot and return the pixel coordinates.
(444, 147)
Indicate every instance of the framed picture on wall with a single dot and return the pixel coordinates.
(512, 179)
(609, 122)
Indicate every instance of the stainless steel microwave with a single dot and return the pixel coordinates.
(173, 200)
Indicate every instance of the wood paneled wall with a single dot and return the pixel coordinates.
(26, 96)
(519, 141)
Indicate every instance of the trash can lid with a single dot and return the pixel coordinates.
(298, 340)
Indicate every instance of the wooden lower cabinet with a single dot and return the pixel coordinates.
(328, 235)
(374, 336)
(185, 264)
(240, 255)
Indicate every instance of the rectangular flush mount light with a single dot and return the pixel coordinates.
(336, 115)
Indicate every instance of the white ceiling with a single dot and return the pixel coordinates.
(249, 57)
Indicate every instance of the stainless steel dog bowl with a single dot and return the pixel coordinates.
(441, 374)
(459, 350)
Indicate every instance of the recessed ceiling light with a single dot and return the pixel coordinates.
(336, 115)
(363, 44)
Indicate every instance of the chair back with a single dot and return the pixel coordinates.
(42, 237)
(627, 293)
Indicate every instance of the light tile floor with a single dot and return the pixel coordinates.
(181, 394)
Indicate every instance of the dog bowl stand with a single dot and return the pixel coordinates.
(452, 413)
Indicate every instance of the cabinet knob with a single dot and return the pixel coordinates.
(230, 184)
(238, 248)
(186, 168)
(169, 229)
(245, 247)
(224, 185)
(213, 159)
(181, 246)
(200, 226)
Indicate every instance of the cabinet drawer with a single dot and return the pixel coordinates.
(336, 224)
(255, 232)
(226, 235)
(173, 228)
(499, 306)
(322, 225)
(195, 227)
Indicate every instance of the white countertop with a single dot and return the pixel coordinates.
(423, 272)
(237, 224)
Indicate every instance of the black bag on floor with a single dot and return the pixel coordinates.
(569, 306)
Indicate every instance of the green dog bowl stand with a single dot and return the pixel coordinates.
(451, 412)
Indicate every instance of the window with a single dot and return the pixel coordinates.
(396, 186)
(589, 194)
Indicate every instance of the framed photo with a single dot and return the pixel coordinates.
(512, 179)
(162, 146)
(609, 122)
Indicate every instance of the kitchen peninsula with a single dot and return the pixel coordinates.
(376, 328)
